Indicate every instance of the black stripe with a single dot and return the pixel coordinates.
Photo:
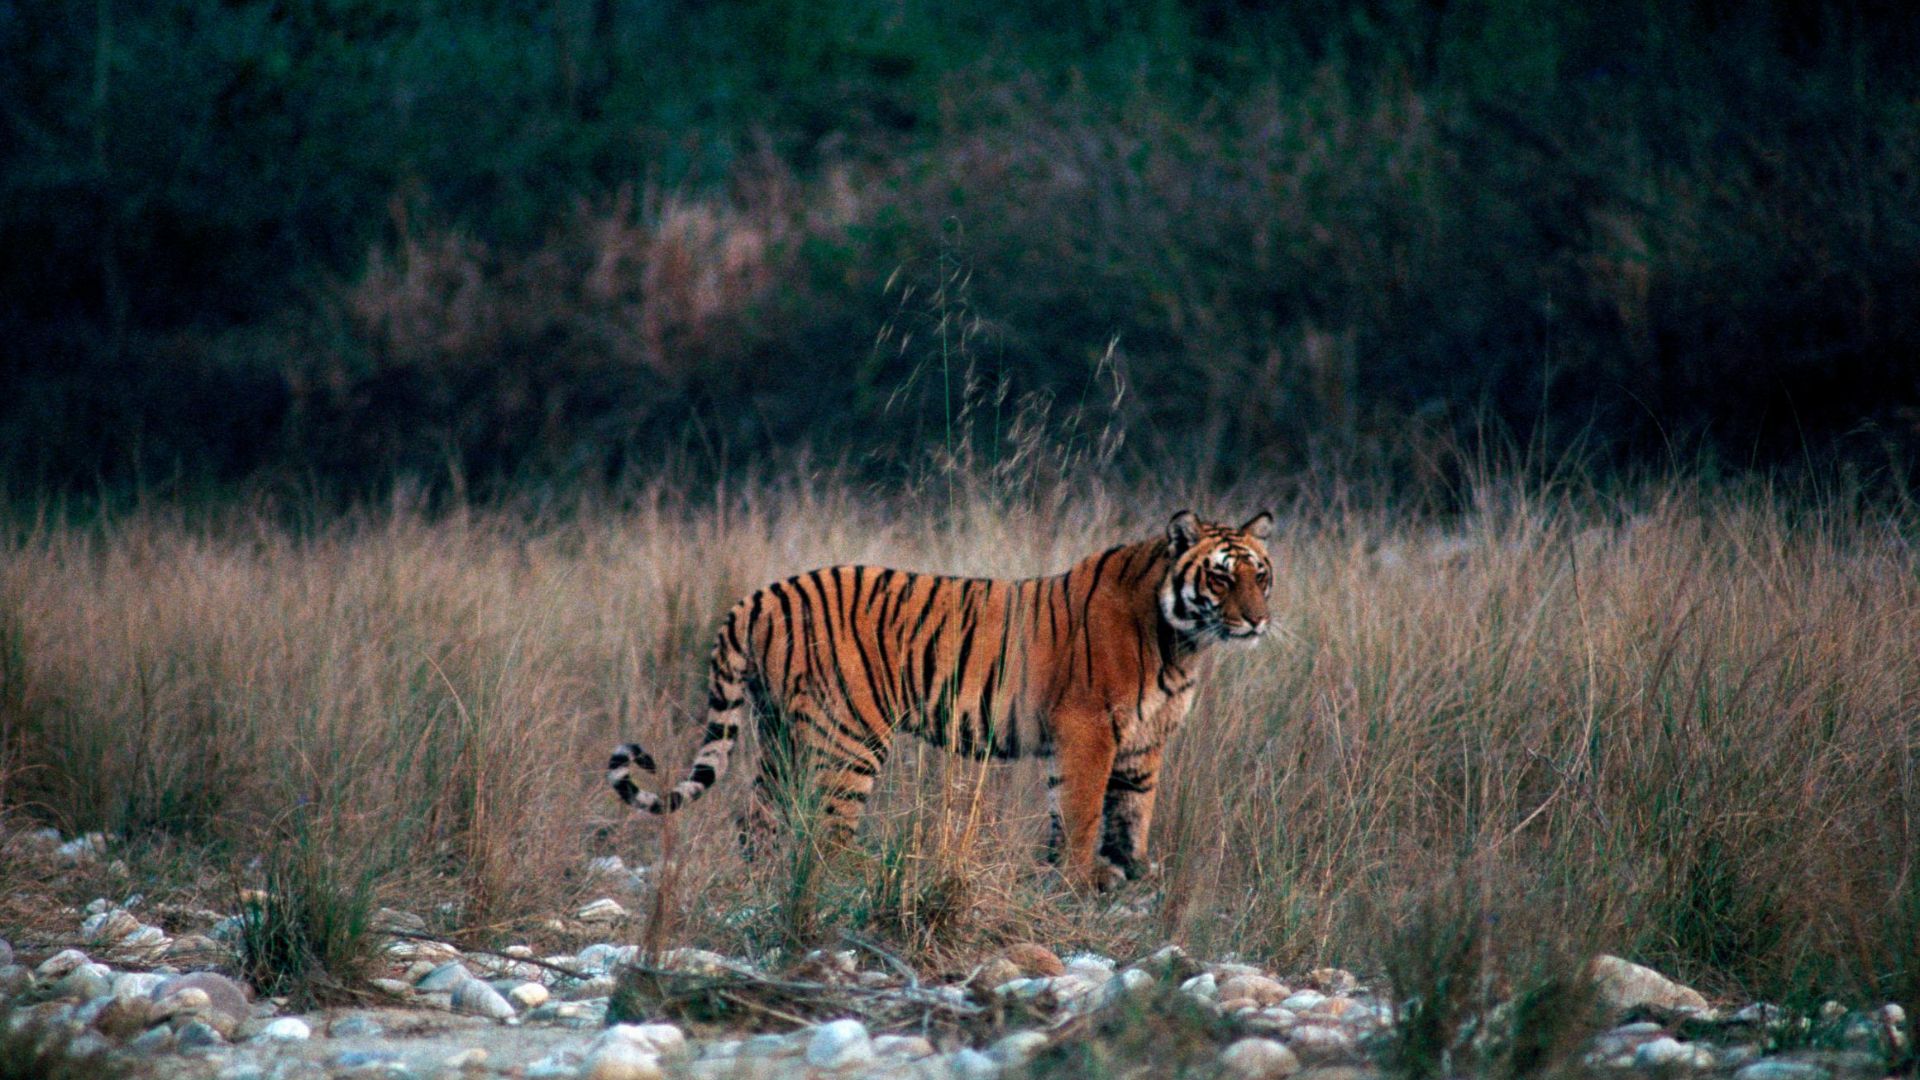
(786, 618)
(702, 774)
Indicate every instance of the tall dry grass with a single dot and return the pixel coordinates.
(1680, 723)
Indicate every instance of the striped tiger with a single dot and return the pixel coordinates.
(1093, 668)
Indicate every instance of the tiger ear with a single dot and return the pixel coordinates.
(1183, 531)
(1261, 525)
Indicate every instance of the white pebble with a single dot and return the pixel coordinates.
(61, 963)
(1302, 1001)
(621, 1061)
(529, 995)
(1018, 1048)
(655, 1039)
(1201, 986)
(605, 909)
(480, 999)
(287, 1029)
(1260, 1059)
(839, 1045)
(1668, 1052)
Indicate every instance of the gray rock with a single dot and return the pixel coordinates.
(968, 1064)
(559, 1065)
(108, 927)
(361, 1059)
(656, 1039)
(197, 1036)
(605, 909)
(840, 1044)
(1782, 1070)
(390, 919)
(444, 978)
(84, 983)
(355, 1027)
(154, 1041)
(528, 995)
(471, 1058)
(1018, 1048)
(602, 958)
(1666, 1052)
(1259, 1059)
(227, 1003)
(1203, 986)
(136, 984)
(15, 979)
(286, 1029)
(621, 1061)
(61, 963)
(479, 999)
(1624, 985)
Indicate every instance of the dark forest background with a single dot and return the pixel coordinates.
(331, 243)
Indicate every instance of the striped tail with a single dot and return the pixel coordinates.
(726, 700)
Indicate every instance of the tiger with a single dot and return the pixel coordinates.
(1093, 668)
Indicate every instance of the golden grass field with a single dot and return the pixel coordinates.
(1677, 722)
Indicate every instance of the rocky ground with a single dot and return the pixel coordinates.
(122, 990)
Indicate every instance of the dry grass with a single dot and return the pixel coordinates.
(1683, 722)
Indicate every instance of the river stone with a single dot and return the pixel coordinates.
(839, 1045)
(604, 957)
(1260, 1059)
(902, 1046)
(1318, 1041)
(1333, 980)
(227, 1004)
(196, 1036)
(355, 1027)
(1018, 1048)
(1203, 986)
(84, 983)
(480, 999)
(444, 978)
(286, 1029)
(61, 963)
(605, 909)
(1624, 985)
(1300, 1002)
(1034, 960)
(108, 927)
(1782, 1070)
(621, 1061)
(1259, 989)
(529, 995)
(656, 1039)
(471, 1058)
(1666, 1052)
(969, 1064)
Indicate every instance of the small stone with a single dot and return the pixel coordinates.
(479, 999)
(1262, 990)
(444, 978)
(656, 1039)
(84, 983)
(997, 971)
(119, 1017)
(840, 1044)
(1299, 1002)
(61, 963)
(355, 1027)
(155, 1041)
(902, 1046)
(196, 1035)
(190, 949)
(1332, 980)
(286, 1029)
(227, 1004)
(136, 985)
(1782, 1070)
(1034, 960)
(186, 1001)
(621, 1061)
(1318, 1041)
(391, 919)
(1201, 986)
(969, 1064)
(602, 958)
(528, 995)
(1666, 1052)
(472, 1058)
(390, 987)
(1260, 1059)
(559, 1065)
(1170, 963)
(697, 962)
(1018, 1048)
(146, 941)
(108, 927)
(603, 910)
(1624, 985)
(364, 1059)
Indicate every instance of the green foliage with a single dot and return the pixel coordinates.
(1320, 233)
(308, 933)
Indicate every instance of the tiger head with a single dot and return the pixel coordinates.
(1217, 585)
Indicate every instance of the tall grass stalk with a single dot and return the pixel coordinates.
(1688, 713)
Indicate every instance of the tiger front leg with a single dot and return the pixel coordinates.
(1127, 810)
(1076, 793)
